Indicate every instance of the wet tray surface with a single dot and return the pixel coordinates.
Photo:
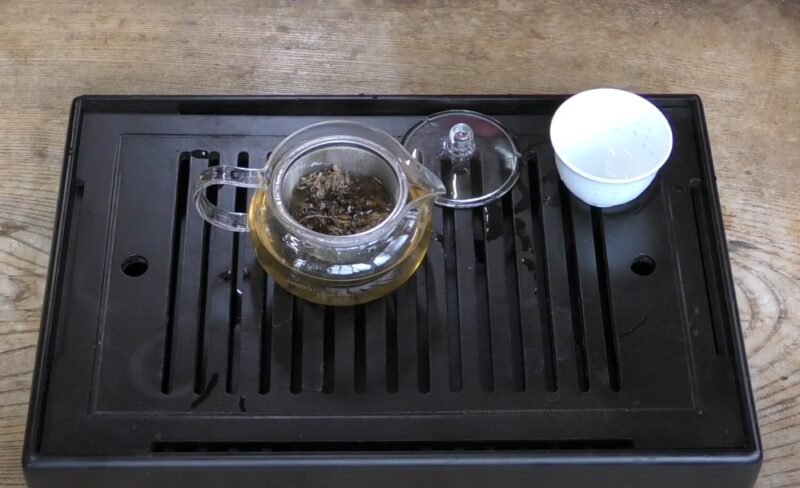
(538, 330)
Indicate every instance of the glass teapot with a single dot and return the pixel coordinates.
(322, 268)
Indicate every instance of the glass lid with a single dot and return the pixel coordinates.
(472, 153)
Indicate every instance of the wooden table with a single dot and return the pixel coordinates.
(742, 57)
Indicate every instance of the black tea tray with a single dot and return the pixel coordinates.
(542, 342)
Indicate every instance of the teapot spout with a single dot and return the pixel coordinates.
(424, 183)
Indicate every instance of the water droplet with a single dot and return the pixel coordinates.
(528, 263)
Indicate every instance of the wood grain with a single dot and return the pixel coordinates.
(742, 57)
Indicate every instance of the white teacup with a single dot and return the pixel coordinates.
(609, 145)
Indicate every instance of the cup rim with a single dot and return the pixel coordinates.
(555, 138)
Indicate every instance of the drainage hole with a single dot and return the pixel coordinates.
(134, 265)
(643, 265)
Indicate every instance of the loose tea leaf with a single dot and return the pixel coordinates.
(336, 202)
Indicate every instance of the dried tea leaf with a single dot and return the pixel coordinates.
(335, 202)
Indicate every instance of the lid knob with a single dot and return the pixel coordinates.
(460, 143)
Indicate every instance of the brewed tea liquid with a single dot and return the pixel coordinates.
(336, 292)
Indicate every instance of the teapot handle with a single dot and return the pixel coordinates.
(226, 175)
